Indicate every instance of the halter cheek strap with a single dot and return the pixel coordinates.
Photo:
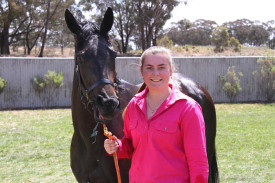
(84, 93)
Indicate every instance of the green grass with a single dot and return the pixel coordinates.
(246, 142)
(35, 144)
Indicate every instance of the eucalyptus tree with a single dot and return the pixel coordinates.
(50, 7)
(152, 15)
(258, 35)
(139, 20)
(59, 35)
(12, 14)
(194, 33)
(125, 14)
(239, 29)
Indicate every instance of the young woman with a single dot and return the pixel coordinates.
(163, 128)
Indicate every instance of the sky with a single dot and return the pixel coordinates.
(224, 10)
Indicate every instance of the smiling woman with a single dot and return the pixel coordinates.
(163, 123)
(156, 70)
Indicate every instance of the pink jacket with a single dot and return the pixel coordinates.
(170, 146)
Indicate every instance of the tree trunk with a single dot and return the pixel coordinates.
(5, 38)
(0, 41)
(46, 29)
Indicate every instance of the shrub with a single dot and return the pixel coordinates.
(3, 84)
(165, 42)
(231, 83)
(53, 79)
(50, 80)
(178, 49)
(186, 48)
(220, 38)
(265, 76)
(236, 44)
(38, 83)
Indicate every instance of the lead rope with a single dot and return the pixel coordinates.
(111, 137)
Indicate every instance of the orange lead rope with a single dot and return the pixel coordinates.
(109, 135)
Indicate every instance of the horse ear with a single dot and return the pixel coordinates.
(72, 23)
(107, 22)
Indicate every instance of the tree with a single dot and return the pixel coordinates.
(59, 34)
(125, 21)
(33, 25)
(12, 11)
(50, 11)
(179, 31)
(147, 17)
(258, 35)
(196, 33)
(125, 14)
(220, 38)
(152, 15)
(240, 29)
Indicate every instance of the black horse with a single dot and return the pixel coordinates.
(98, 96)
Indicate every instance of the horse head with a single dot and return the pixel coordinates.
(95, 66)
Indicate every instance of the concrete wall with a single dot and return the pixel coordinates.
(19, 71)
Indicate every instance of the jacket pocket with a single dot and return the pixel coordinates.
(166, 126)
(133, 124)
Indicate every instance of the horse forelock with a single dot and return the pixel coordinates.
(90, 33)
(89, 29)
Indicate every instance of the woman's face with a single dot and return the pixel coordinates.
(156, 71)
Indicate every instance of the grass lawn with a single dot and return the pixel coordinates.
(35, 144)
(246, 142)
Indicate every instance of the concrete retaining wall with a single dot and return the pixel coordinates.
(19, 71)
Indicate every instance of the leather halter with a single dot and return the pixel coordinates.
(84, 93)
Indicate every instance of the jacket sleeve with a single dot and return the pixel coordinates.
(125, 149)
(193, 134)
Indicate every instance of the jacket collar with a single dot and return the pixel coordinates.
(174, 96)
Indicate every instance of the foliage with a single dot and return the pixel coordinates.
(27, 23)
(38, 83)
(271, 43)
(50, 80)
(196, 33)
(231, 83)
(142, 21)
(53, 79)
(165, 42)
(220, 38)
(250, 32)
(236, 44)
(265, 76)
(3, 84)
(11, 15)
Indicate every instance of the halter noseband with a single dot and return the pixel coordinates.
(84, 93)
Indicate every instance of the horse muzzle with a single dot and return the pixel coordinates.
(105, 109)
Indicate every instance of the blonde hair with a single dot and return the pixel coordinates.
(154, 50)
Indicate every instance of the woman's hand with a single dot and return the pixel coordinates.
(110, 146)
